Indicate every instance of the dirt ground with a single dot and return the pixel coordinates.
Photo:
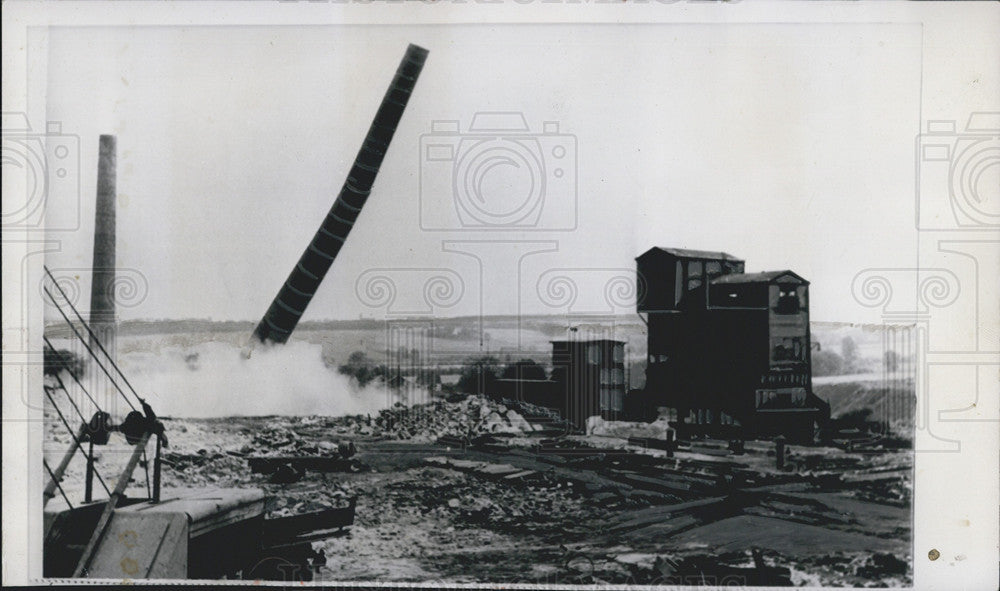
(526, 507)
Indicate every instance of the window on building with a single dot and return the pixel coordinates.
(611, 399)
(729, 297)
(788, 349)
(788, 300)
(594, 354)
(799, 398)
(694, 275)
(678, 283)
(765, 397)
(618, 353)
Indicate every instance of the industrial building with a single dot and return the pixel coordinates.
(588, 379)
(728, 351)
(729, 354)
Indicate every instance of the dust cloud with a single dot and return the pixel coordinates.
(217, 379)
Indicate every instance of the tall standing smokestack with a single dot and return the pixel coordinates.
(281, 317)
(102, 295)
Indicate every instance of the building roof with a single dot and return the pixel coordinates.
(763, 277)
(686, 253)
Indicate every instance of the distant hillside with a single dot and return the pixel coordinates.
(553, 326)
(838, 348)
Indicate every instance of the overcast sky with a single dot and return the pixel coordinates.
(789, 146)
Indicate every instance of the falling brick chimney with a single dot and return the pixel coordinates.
(281, 317)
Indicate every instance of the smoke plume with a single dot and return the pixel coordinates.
(213, 379)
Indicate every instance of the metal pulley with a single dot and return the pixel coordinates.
(99, 428)
(135, 425)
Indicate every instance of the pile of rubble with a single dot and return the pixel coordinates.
(468, 418)
(283, 440)
(314, 496)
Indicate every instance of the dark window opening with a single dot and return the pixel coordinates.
(788, 300)
(694, 275)
(788, 349)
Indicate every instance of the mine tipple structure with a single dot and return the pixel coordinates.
(730, 351)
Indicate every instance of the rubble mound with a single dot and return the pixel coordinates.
(468, 418)
(284, 440)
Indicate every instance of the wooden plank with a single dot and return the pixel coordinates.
(173, 552)
(116, 494)
(497, 470)
(221, 520)
(521, 475)
(439, 461)
(655, 515)
(143, 546)
(307, 526)
(207, 510)
(710, 451)
(655, 484)
(883, 476)
(466, 465)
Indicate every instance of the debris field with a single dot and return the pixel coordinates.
(479, 490)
